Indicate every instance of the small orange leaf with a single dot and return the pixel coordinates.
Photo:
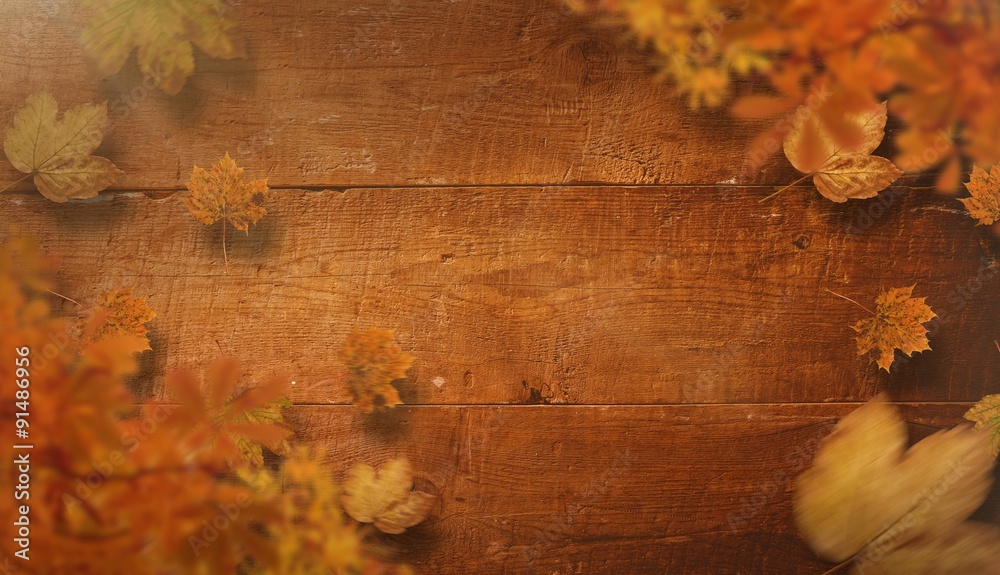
(222, 195)
(984, 205)
(117, 313)
(898, 324)
(374, 361)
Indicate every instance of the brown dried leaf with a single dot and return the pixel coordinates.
(984, 205)
(385, 498)
(898, 324)
(374, 362)
(866, 493)
(841, 171)
(57, 152)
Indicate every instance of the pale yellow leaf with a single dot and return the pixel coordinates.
(57, 151)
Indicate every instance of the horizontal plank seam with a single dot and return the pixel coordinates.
(632, 405)
(341, 188)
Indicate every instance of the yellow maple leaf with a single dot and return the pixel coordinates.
(117, 313)
(57, 152)
(162, 31)
(840, 171)
(896, 323)
(374, 362)
(986, 415)
(222, 195)
(868, 498)
(984, 205)
(385, 497)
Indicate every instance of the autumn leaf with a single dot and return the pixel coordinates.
(118, 313)
(222, 195)
(57, 151)
(986, 415)
(374, 362)
(869, 498)
(235, 423)
(984, 205)
(162, 32)
(385, 497)
(897, 323)
(840, 171)
(310, 535)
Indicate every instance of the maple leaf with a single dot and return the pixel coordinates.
(840, 171)
(374, 362)
(233, 424)
(385, 497)
(162, 31)
(222, 195)
(57, 152)
(869, 498)
(984, 205)
(117, 313)
(986, 415)
(897, 323)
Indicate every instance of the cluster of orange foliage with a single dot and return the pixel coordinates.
(936, 61)
(178, 487)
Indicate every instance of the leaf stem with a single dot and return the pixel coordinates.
(840, 566)
(225, 256)
(16, 182)
(997, 344)
(761, 201)
(69, 299)
(850, 300)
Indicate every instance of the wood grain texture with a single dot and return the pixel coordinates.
(698, 490)
(389, 92)
(505, 185)
(567, 295)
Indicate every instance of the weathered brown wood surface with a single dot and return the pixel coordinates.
(542, 224)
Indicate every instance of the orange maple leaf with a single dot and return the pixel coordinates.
(897, 323)
(222, 195)
(841, 171)
(233, 423)
(117, 313)
(374, 362)
(984, 205)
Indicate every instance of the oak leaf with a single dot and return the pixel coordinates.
(984, 205)
(897, 324)
(374, 362)
(385, 497)
(162, 32)
(986, 415)
(841, 171)
(222, 195)
(117, 313)
(57, 151)
(869, 498)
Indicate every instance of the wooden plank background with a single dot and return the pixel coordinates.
(622, 358)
